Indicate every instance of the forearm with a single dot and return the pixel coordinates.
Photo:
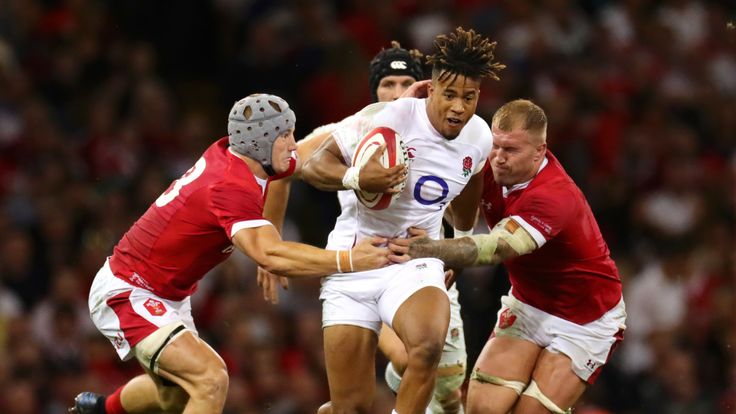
(274, 209)
(456, 253)
(300, 260)
(462, 252)
(324, 176)
(506, 240)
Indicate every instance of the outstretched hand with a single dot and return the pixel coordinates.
(269, 285)
(375, 178)
(366, 255)
(401, 249)
(418, 89)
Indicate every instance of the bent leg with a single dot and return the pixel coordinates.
(350, 359)
(421, 323)
(501, 372)
(558, 385)
(447, 397)
(147, 394)
(391, 346)
(192, 364)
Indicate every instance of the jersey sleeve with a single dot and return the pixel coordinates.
(545, 213)
(329, 128)
(486, 144)
(236, 207)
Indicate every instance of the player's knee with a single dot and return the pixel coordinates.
(481, 406)
(212, 385)
(173, 399)
(448, 385)
(350, 407)
(454, 395)
(399, 361)
(452, 402)
(325, 408)
(426, 354)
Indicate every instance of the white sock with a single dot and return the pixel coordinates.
(394, 412)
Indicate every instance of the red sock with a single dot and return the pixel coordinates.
(113, 404)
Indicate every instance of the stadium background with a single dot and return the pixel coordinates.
(103, 103)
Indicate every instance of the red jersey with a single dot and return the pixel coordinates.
(571, 275)
(188, 229)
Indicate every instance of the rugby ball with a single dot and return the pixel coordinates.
(395, 154)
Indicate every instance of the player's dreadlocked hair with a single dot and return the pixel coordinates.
(464, 53)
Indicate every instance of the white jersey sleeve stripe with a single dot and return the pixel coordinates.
(536, 234)
(248, 224)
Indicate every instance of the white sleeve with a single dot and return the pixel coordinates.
(352, 129)
(486, 144)
(319, 131)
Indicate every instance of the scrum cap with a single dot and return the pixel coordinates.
(255, 122)
(393, 61)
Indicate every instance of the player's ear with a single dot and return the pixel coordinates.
(541, 150)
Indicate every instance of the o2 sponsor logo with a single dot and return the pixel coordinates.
(432, 184)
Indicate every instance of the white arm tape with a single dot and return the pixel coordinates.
(350, 179)
(461, 233)
(510, 232)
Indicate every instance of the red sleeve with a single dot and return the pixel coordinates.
(547, 211)
(231, 204)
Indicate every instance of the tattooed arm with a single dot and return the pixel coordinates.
(505, 241)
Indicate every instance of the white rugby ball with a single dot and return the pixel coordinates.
(395, 154)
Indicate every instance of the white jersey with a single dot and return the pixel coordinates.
(439, 169)
(346, 224)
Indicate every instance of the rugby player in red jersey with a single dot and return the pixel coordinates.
(564, 314)
(140, 298)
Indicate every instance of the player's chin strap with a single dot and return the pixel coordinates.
(533, 391)
(511, 233)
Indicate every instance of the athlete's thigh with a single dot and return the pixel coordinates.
(556, 380)
(350, 360)
(187, 359)
(423, 317)
(415, 304)
(503, 358)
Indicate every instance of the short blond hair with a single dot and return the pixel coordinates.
(521, 114)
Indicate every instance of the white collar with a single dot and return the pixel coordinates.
(261, 181)
(525, 184)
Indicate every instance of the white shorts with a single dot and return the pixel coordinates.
(127, 314)
(588, 346)
(454, 352)
(367, 299)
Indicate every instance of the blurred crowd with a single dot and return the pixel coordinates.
(103, 103)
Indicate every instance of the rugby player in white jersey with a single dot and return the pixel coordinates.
(392, 72)
(448, 145)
